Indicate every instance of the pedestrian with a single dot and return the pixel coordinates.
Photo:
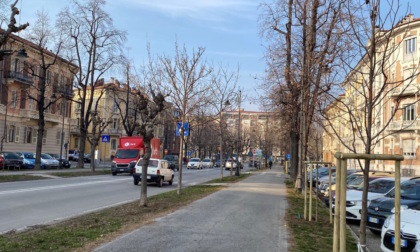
(270, 163)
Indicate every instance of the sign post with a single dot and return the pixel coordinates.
(105, 139)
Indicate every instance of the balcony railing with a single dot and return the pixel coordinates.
(32, 114)
(19, 77)
(114, 131)
(404, 125)
(64, 90)
(405, 90)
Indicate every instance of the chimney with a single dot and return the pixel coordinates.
(112, 80)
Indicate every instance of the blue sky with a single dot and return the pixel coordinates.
(228, 29)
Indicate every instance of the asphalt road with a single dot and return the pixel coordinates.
(246, 216)
(29, 203)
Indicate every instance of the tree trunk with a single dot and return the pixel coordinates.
(294, 150)
(144, 165)
(41, 126)
(83, 135)
(92, 154)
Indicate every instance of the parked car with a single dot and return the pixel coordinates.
(87, 158)
(72, 153)
(207, 163)
(378, 187)
(217, 163)
(194, 163)
(322, 171)
(172, 161)
(49, 162)
(65, 163)
(28, 159)
(410, 235)
(254, 163)
(10, 160)
(230, 163)
(158, 171)
(379, 209)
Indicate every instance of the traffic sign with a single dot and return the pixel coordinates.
(254, 152)
(189, 153)
(105, 138)
(288, 156)
(186, 128)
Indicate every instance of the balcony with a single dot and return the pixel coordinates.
(114, 131)
(33, 115)
(404, 125)
(12, 76)
(404, 90)
(66, 91)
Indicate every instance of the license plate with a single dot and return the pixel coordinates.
(373, 220)
(121, 169)
(148, 177)
(403, 242)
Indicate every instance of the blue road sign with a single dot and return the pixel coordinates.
(186, 128)
(288, 156)
(105, 138)
(189, 153)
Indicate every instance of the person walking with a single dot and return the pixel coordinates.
(270, 163)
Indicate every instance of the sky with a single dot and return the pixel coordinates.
(227, 29)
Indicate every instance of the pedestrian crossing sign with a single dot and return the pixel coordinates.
(105, 138)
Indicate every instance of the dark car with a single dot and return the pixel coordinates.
(64, 162)
(217, 163)
(10, 160)
(172, 161)
(87, 158)
(380, 209)
(322, 171)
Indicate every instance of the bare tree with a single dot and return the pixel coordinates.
(98, 127)
(43, 36)
(223, 87)
(94, 46)
(187, 79)
(373, 91)
(11, 27)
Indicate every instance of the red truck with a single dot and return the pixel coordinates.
(130, 150)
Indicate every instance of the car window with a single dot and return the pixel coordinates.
(11, 155)
(409, 190)
(29, 155)
(195, 160)
(380, 186)
(45, 156)
(206, 160)
(165, 165)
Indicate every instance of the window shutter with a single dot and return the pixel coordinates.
(24, 134)
(34, 135)
(17, 129)
(44, 137)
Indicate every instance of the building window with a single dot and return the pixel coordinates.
(409, 150)
(44, 137)
(410, 46)
(30, 104)
(28, 135)
(58, 137)
(115, 107)
(34, 135)
(113, 144)
(409, 113)
(17, 66)
(11, 133)
(115, 123)
(14, 97)
(76, 143)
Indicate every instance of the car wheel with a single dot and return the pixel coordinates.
(160, 182)
(136, 181)
(171, 181)
(114, 173)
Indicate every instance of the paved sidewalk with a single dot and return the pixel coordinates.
(246, 216)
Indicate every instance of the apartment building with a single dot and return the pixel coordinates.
(110, 98)
(396, 122)
(19, 115)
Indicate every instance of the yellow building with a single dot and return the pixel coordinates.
(19, 115)
(109, 98)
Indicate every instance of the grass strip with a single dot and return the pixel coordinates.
(230, 179)
(14, 178)
(88, 231)
(80, 174)
(311, 236)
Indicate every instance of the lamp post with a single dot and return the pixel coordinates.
(60, 161)
(227, 103)
(239, 135)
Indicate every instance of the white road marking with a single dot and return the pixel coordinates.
(62, 186)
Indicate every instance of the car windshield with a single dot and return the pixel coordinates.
(54, 155)
(170, 158)
(46, 156)
(11, 155)
(356, 181)
(129, 153)
(206, 160)
(409, 190)
(194, 160)
(379, 186)
(29, 155)
(152, 163)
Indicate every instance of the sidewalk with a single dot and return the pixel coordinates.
(246, 216)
